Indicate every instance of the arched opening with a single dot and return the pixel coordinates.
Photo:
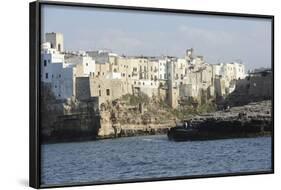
(59, 47)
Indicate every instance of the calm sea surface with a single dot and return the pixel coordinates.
(149, 157)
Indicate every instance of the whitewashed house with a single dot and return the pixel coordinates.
(56, 72)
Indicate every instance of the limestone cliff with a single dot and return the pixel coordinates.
(131, 115)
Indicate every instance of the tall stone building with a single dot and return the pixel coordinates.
(56, 40)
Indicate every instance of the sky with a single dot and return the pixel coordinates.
(217, 38)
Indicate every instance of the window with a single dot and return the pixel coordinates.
(45, 63)
(59, 75)
(59, 47)
(86, 64)
(107, 92)
(49, 61)
(99, 92)
(46, 76)
(98, 73)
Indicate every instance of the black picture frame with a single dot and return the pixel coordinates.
(34, 69)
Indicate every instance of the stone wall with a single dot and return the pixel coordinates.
(83, 88)
(108, 89)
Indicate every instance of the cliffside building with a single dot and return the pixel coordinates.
(107, 76)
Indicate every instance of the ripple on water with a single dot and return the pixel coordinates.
(150, 157)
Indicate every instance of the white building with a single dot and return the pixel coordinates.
(49, 56)
(230, 71)
(85, 65)
(180, 70)
(63, 81)
(163, 69)
(57, 73)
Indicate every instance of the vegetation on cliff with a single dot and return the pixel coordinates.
(161, 110)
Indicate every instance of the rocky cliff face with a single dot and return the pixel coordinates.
(260, 109)
(123, 117)
(71, 120)
(139, 115)
(251, 89)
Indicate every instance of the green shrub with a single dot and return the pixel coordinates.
(135, 100)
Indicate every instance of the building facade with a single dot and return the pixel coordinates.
(108, 76)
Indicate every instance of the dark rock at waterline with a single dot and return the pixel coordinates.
(250, 120)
